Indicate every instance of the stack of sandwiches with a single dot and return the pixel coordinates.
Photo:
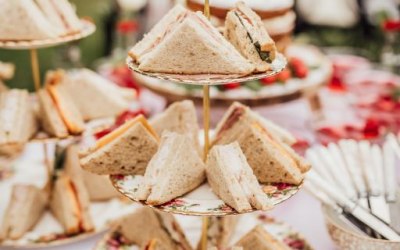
(220, 231)
(184, 42)
(17, 121)
(69, 99)
(153, 230)
(260, 239)
(265, 145)
(37, 19)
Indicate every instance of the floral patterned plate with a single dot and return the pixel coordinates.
(201, 201)
(113, 240)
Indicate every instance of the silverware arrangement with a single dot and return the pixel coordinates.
(358, 180)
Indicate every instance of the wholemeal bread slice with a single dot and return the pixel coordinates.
(23, 20)
(50, 119)
(25, 208)
(95, 96)
(179, 117)
(126, 150)
(160, 226)
(174, 170)
(70, 205)
(259, 238)
(219, 231)
(245, 30)
(232, 179)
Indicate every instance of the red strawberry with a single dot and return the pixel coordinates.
(284, 75)
(298, 67)
(269, 80)
(232, 85)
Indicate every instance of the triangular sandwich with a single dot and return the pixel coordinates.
(184, 42)
(126, 150)
(219, 231)
(59, 115)
(232, 179)
(70, 205)
(159, 225)
(260, 239)
(245, 30)
(95, 96)
(17, 120)
(67, 13)
(24, 210)
(174, 170)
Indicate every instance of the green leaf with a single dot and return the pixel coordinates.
(253, 85)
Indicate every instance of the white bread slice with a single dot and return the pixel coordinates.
(67, 13)
(179, 117)
(126, 150)
(26, 207)
(66, 108)
(50, 119)
(17, 120)
(95, 96)
(160, 226)
(259, 238)
(220, 231)
(23, 20)
(232, 179)
(194, 46)
(99, 187)
(245, 30)
(70, 205)
(157, 32)
(174, 170)
(51, 14)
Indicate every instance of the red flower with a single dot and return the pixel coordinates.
(282, 186)
(391, 25)
(127, 26)
(294, 243)
(371, 128)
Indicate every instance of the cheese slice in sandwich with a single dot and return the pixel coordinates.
(126, 150)
(174, 170)
(259, 238)
(245, 30)
(23, 20)
(232, 179)
(99, 187)
(184, 42)
(179, 117)
(17, 120)
(95, 96)
(24, 210)
(159, 225)
(220, 231)
(70, 205)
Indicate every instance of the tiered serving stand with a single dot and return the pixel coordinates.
(197, 203)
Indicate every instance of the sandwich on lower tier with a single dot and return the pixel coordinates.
(184, 42)
(179, 117)
(260, 239)
(99, 187)
(174, 170)
(219, 231)
(24, 210)
(126, 150)
(229, 248)
(232, 179)
(272, 160)
(70, 205)
(147, 224)
(17, 120)
(59, 115)
(154, 244)
(245, 30)
(95, 96)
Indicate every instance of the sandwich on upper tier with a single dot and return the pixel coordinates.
(263, 144)
(260, 239)
(184, 42)
(95, 96)
(174, 170)
(70, 205)
(59, 115)
(24, 210)
(17, 120)
(37, 19)
(179, 117)
(232, 179)
(99, 187)
(147, 224)
(245, 30)
(126, 150)
(219, 231)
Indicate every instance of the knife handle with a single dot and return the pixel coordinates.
(366, 163)
(318, 165)
(377, 165)
(390, 171)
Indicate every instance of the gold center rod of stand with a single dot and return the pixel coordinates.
(206, 125)
(35, 68)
